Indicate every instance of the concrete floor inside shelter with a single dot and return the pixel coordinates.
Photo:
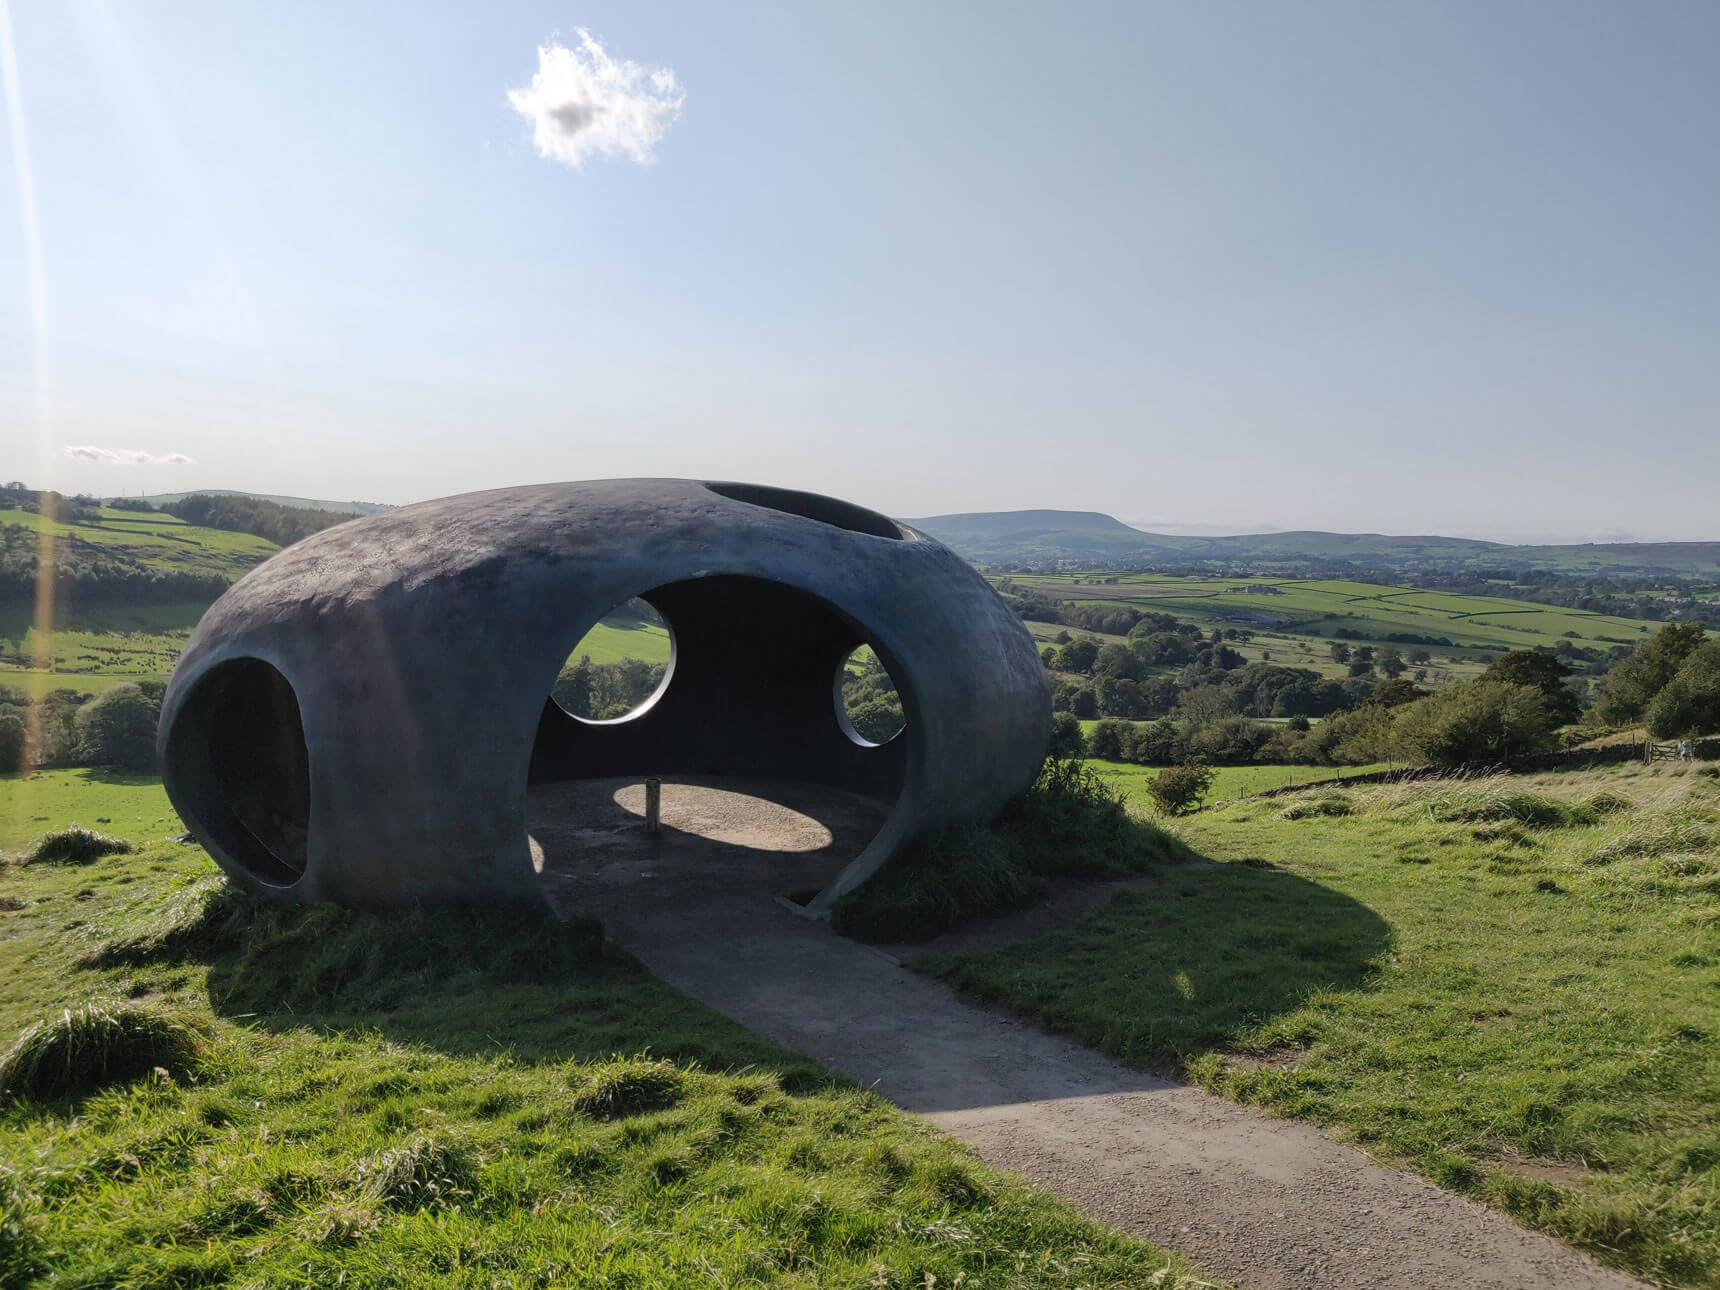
(721, 839)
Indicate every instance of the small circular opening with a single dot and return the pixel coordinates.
(619, 668)
(868, 707)
(812, 506)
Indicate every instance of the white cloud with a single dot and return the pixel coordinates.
(127, 456)
(583, 103)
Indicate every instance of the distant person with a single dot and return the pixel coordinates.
(1683, 750)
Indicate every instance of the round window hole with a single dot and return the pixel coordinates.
(619, 668)
(867, 705)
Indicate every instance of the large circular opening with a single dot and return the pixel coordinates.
(619, 668)
(868, 707)
(240, 770)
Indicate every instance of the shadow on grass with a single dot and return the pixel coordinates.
(457, 982)
(1212, 958)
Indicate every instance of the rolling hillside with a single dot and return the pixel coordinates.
(1086, 539)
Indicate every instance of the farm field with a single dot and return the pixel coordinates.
(456, 1100)
(1322, 608)
(611, 641)
(158, 540)
(1509, 984)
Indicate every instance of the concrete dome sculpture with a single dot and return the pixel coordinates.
(357, 720)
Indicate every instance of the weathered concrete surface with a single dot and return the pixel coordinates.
(1271, 1204)
(356, 720)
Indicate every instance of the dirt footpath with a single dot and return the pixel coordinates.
(1266, 1203)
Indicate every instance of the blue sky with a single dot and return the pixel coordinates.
(1407, 268)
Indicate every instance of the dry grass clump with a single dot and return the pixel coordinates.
(1659, 831)
(624, 1086)
(74, 845)
(1496, 799)
(97, 1045)
(428, 1170)
(1330, 804)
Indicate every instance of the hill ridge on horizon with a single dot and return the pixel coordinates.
(1092, 539)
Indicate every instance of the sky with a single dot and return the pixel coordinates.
(1209, 267)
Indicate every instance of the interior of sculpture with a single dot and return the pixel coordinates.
(746, 724)
(244, 761)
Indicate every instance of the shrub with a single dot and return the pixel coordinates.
(1483, 721)
(1066, 737)
(956, 874)
(1070, 824)
(118, 728)
(75, 845)
(1177, 790)
(11, 743)
(91, 1047)
(626, 1086)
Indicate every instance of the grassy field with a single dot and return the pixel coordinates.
(93, 651)
(1321, 608)
(129, 803)
(448, 1100)
(610, 642)
(162, 541)
(1228, 782)
(1512, 985)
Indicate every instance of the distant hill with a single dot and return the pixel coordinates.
(1040, 540)
(304, 503)
(992, 524)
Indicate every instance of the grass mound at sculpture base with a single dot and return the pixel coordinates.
(1070, 824)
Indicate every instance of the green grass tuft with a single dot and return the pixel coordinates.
(95, 1046)
(625, 1086)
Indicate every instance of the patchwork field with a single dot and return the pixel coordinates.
(1322, 608)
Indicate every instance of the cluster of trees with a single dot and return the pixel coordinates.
(869, 698)
(605, 691)
(66, 727)
(1671, 682)
(1129, 681)
(282, 525)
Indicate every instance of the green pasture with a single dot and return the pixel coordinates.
(94, 649)
(1323, 607)
(610, 642)
(1510, 984)
(316, 1097)
(129, 803)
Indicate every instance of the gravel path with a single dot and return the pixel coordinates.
(1266, 1203)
